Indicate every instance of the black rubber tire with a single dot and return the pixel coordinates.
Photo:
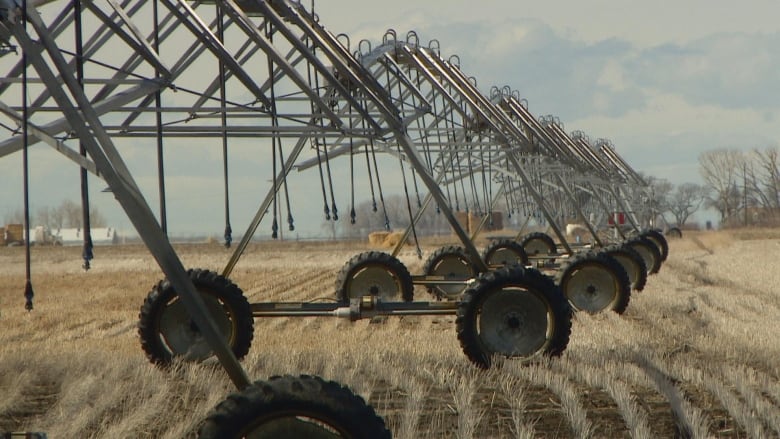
(505, 252)
(614, 283)
(674, 232)
(452, 262)
(294, 407)
(162, 302)
(380, 264)
(535, 243)
(649, 252)
(632, 262)
(659, 240)
(506, 292)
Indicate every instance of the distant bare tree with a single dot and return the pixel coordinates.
(764, 180)
(96, 218)
(71, 213)
(43, 216)
(15, 217)
(658, 196)
(67, 214)
(721, 170)
(366, 220)
(685, 200)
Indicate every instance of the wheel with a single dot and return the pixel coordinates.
(632, 262)
(659, 240)
(514, 312)
(594, 282)
(293, 407)
(674, 232)
(453, 263)
(167, 330)
(376, 274)
(505, 252)
(649, 252)
(538, 243)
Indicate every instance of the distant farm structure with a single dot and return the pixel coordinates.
(100, 236)
(14, 234)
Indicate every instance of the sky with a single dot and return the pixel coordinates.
(664, 81)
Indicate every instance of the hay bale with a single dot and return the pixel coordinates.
(578, 233)
(14, 234)
(394, 238)
(378, 238)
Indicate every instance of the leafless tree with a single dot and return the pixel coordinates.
(657, 202)
(685, 200)
(763, 181)
(15, 217)
(721, 170)
(367, 220)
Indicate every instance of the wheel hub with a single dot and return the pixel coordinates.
(183, 337)
(592, 288)
(452, 268)
(376, 281)
(514, 322)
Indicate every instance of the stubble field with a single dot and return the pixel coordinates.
(695, 354)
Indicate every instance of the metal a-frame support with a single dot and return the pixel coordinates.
(83, 119)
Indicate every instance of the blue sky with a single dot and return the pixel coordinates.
(663, 80)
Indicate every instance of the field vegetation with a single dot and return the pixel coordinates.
(695, 354)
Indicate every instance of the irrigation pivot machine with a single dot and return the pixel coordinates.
(86, 77)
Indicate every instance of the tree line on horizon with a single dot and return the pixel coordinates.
(67, 215)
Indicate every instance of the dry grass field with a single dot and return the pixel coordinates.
(695, 355)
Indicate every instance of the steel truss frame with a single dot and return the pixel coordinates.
(273, 73)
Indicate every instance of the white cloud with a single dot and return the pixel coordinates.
(668, 134)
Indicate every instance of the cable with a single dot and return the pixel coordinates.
(409, 205)
(223, 116)
(28, 289)
(274, 139)
(86, 253)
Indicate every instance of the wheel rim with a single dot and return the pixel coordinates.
(631, 267)
(182, 337)
(536, 246)
(452, 267)
(657, 243)
(374, 280)
(504, 256)
(292, 425)
(647, 255)
(592, 288)
(515, 322)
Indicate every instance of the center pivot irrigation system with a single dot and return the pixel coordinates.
(97, 73)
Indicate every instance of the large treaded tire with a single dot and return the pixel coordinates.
(538, 244)
(594, 282)
(374, 273)
(632, 262)
(513, 312)
(294, 407)
(674, 232)
(659, 240)
(452, 262)
(505, 252)
(167, 331)
(649, 251)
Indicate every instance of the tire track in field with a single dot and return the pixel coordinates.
(293, 287)
(91, 329)
(38, 396)
(284, 285)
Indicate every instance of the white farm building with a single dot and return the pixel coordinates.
(100, 236)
